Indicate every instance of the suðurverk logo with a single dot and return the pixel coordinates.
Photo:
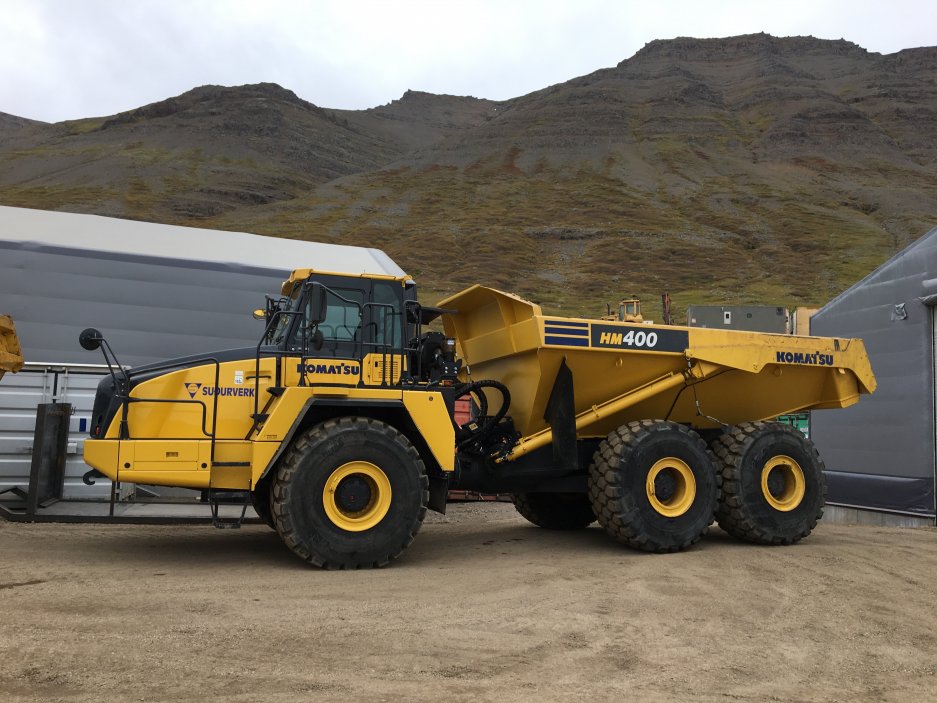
(192, 388)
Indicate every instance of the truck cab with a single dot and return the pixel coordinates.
(334, 346)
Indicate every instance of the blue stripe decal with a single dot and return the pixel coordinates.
(569, 341)
(566, 323)
(572, 331)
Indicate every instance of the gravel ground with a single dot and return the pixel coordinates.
(482, 607)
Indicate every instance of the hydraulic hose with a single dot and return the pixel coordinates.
(488, 423)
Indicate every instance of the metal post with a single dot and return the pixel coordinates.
(47, 472)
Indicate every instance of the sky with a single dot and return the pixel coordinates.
(68, 59)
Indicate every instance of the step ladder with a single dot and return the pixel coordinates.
(238, 497)
(216, 500)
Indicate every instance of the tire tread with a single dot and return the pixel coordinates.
(731, 514)
(289, 466)
(606, 489)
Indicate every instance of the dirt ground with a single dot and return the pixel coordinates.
(482, 607)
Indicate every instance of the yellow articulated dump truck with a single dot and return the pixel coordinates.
(341, 426)
(11, 356)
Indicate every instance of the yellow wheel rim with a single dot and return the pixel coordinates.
(671, 487)
(782, 483)
(357, 496)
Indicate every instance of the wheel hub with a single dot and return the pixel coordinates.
(671, 487)
(357, 496)
(782, 483)
(353, 494)
(665, 486)
(776, 483)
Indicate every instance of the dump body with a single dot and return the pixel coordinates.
(700, 377)
(11, 356)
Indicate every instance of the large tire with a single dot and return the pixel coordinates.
(350, 493)
(260, 501)
(653, 486)
(773, 484)
(555, 511)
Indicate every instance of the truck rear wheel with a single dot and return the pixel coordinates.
(555, 511)
(653, 486)
(773, 485)
(350, 493)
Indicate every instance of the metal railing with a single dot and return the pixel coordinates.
(125, 399)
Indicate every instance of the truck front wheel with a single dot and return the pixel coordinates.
(349, 493)
(653, 485)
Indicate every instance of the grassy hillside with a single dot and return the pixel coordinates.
(743, 170)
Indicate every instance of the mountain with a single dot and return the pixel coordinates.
(420, 119)
(10, 124)
(210, 150)
(747, 169)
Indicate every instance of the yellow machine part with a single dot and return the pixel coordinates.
(192, 392)
(170, 442)
(628, 371)
(298, 276)
(11, 356)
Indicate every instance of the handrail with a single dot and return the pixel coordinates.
(174, 400)
(263, 338)
(417, 309)
(126, 399)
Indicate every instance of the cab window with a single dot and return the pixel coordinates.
(386, 315)
(342, 323)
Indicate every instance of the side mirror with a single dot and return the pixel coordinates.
(318, 303)
(318, 339)
(90, 339)
(259, 314)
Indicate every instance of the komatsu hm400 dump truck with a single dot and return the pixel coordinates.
(341, 425)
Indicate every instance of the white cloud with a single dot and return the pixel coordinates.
(62, 60)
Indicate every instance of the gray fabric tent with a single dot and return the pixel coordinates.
(155, 291)
(880, 453)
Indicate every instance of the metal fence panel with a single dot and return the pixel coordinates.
(19, 395)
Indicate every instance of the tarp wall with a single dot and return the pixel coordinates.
(880, 453)
(155, 291)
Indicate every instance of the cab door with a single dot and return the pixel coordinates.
(330, 351)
